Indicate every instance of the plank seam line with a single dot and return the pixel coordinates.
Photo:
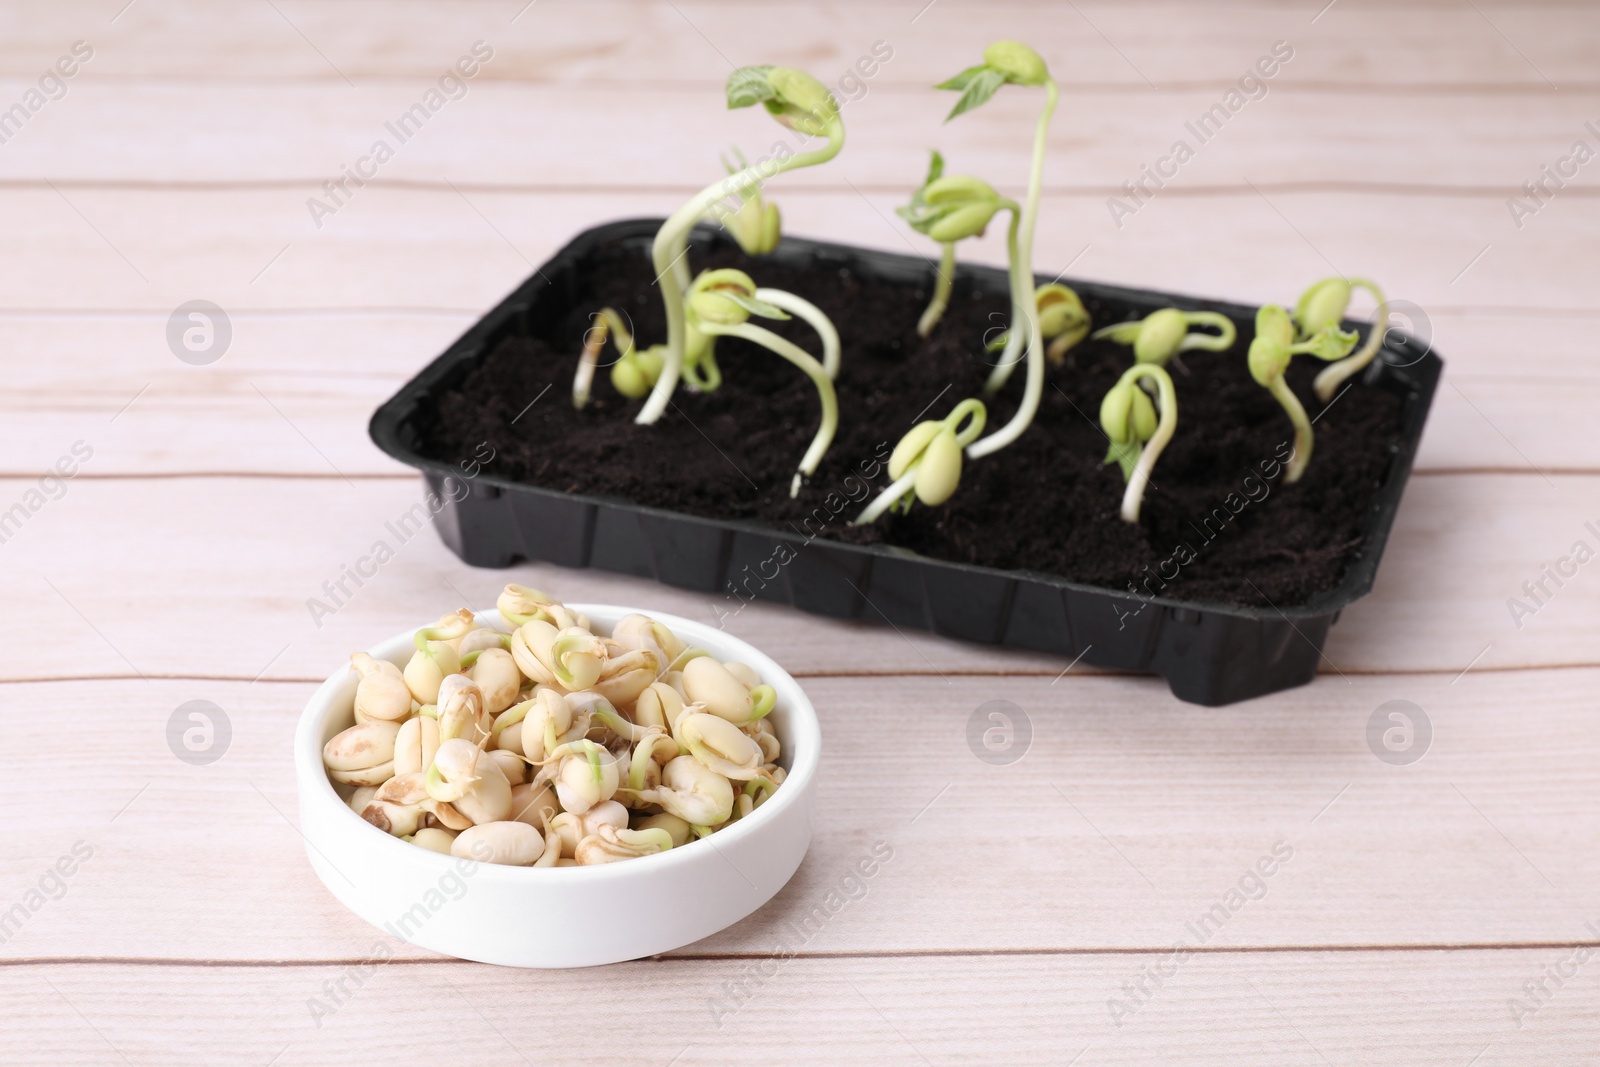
(1106, 950)
(1193, 191)
(697, 88)
(1092, 672)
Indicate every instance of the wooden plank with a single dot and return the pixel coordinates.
(112, 380)
(292, 394)
(591, 137)
(285, 540)
(1292, 1010)
(1462, 547)
(408, 248)
(1360, 45)
(86, 360)
(1126, 817)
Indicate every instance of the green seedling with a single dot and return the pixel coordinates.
(1274, 346)
(796, 100)
(955, 208)
(632, 374)
(1163, 334)
(945, 279)
(1136, 434)
(1063, 321)
(1013, 63)
(720, 304)
(1324, 305)
(756, 224)
(926, 463)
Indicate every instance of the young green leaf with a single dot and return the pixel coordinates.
(749, 85)
(977, 92)
(1125, 456)
(1331, 344)
(754, 306)
(935, 168)
(960, 81)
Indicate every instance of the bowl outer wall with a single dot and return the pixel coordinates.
(560, 917)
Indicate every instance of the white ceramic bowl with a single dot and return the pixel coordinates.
(561, 916)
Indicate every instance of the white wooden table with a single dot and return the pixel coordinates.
(1441, 912)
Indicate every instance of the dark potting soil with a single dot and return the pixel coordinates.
(1218, 524)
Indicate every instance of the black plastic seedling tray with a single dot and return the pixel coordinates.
(1209, 653)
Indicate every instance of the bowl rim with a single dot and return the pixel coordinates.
(804, 743)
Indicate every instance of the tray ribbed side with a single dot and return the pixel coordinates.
(1207, 657)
